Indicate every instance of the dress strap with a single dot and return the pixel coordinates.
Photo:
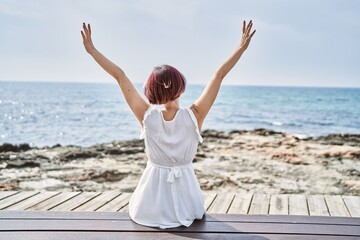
(193, 118)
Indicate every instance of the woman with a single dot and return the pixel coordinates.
(168, 193)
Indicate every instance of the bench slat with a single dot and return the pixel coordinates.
(279, 204)
(5, 194)
(116, 204)
(197, 226)
(317, 205)
(69, 235)
(49, 215)
(241, 203)
(298, 205)
(260, 204)
(75, 202)
(42, 196)
(353, 205)
(336, 206)
(16, 198)
(54, 201)
(221, 203)
(209, 198)
(98, 201)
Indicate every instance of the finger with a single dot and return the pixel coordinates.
(252, 34)
(243, 27)
(85, 29)
(249, 28)
(83, 36)
(89, 28)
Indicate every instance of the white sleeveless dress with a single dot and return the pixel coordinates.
(168, 193)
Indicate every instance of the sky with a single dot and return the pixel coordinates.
(297, 43)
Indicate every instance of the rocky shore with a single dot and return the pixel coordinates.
(259, 160)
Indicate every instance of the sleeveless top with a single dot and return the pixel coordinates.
(168, 193)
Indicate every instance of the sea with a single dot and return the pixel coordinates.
(49, 113)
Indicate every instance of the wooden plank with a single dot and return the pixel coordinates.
(198, 226)
(260, 204)
(353, 205)
(241, 203)
(298, 205)
(16, 198)
(42, 196)
(74, 235)
(5, 194)
(75, 201)
(279, 204)
(317, 205)
(125, 208)
(222, 203)
(54, 201)
(116, 204)
(53, 215)
(336, 206)
(98, 201)
(209, 198)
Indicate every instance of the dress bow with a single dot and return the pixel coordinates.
(175, 172)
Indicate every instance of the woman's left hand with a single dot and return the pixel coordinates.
(246, 36)
(86, 35)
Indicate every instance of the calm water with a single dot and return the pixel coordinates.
(87, 113)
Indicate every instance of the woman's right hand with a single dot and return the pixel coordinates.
(86, 35)
(246, 35)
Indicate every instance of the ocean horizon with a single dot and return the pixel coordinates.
(84, 114)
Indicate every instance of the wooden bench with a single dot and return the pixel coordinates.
(103, 215)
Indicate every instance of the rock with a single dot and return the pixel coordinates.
(227, 182)
(209, 133)
(338, 139)
(7, 147)
(22, 164)
(100, 177)
(341, 152)
(287, 156)
(353, 185)
(206, 185)
(108, 176)
(39, 156)
(123, 150)
(264, 132)
(4, 157)
(226, 161)
(10, 185)
(238, 132)
(48, 184)
(56, 145)
(289, 187)
(77, 153)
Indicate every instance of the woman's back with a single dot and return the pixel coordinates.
(170, 143)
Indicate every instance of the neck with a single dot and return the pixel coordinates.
(172, 105)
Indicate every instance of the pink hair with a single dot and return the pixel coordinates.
(164, 84)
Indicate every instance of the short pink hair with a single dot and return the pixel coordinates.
(164, 84)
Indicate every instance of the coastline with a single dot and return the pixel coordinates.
(259, 160)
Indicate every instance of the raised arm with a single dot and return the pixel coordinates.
(137, 104)
(202, 105)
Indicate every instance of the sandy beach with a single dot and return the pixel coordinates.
(259, 160)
